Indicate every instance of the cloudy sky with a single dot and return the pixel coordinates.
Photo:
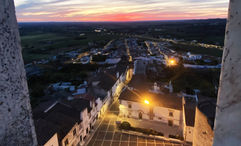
(119, 10)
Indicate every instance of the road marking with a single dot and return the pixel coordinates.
(129, 139)
(105, 133)
(137, 140)
(146, 141)
(112, 138)
(120, 139)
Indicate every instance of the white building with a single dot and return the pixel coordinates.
(139, 101)
(64, 123)
(192, 57)
(145, 102)
(68, 122)
(62, 86)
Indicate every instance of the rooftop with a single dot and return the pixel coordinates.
(139, 89)
(44, 130)
(161, 100)
(60, 117)
(140, 67)
(140, 82)
(77, 104)
(106, 79)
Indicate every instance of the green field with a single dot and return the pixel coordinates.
(42, 46)
(196, 49)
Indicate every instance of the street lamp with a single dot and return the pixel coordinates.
(146, 101)
(172, 62)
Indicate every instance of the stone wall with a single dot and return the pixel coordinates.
(227, 127)
(203, 133)
(16, 124)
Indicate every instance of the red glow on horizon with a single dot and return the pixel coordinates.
(138, 16)
(121, 17)
(118, 10)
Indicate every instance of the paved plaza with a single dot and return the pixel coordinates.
(107, 134)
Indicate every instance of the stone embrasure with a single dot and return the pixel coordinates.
(227, 129)
(16, 124)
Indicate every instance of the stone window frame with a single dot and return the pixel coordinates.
(129, 105)
(66, 142)
(171, 114)
(74, 132)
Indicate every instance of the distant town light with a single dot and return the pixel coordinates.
(146, 101)
(172, 62)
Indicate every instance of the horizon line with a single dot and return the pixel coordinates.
(116, 21)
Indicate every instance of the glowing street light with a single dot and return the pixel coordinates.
(146, 101)
(172, 62)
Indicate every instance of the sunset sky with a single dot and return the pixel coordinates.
(118, 10)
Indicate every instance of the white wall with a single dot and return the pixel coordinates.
(99, 105)
(189, 133)
(203, 133)
(85, 121)
(135, 109)
(160, 113)
(93, 113)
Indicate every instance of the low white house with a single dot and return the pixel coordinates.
(79, 91)
(143, 101)
(190, 56)
(151, 106)
(63, 86)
